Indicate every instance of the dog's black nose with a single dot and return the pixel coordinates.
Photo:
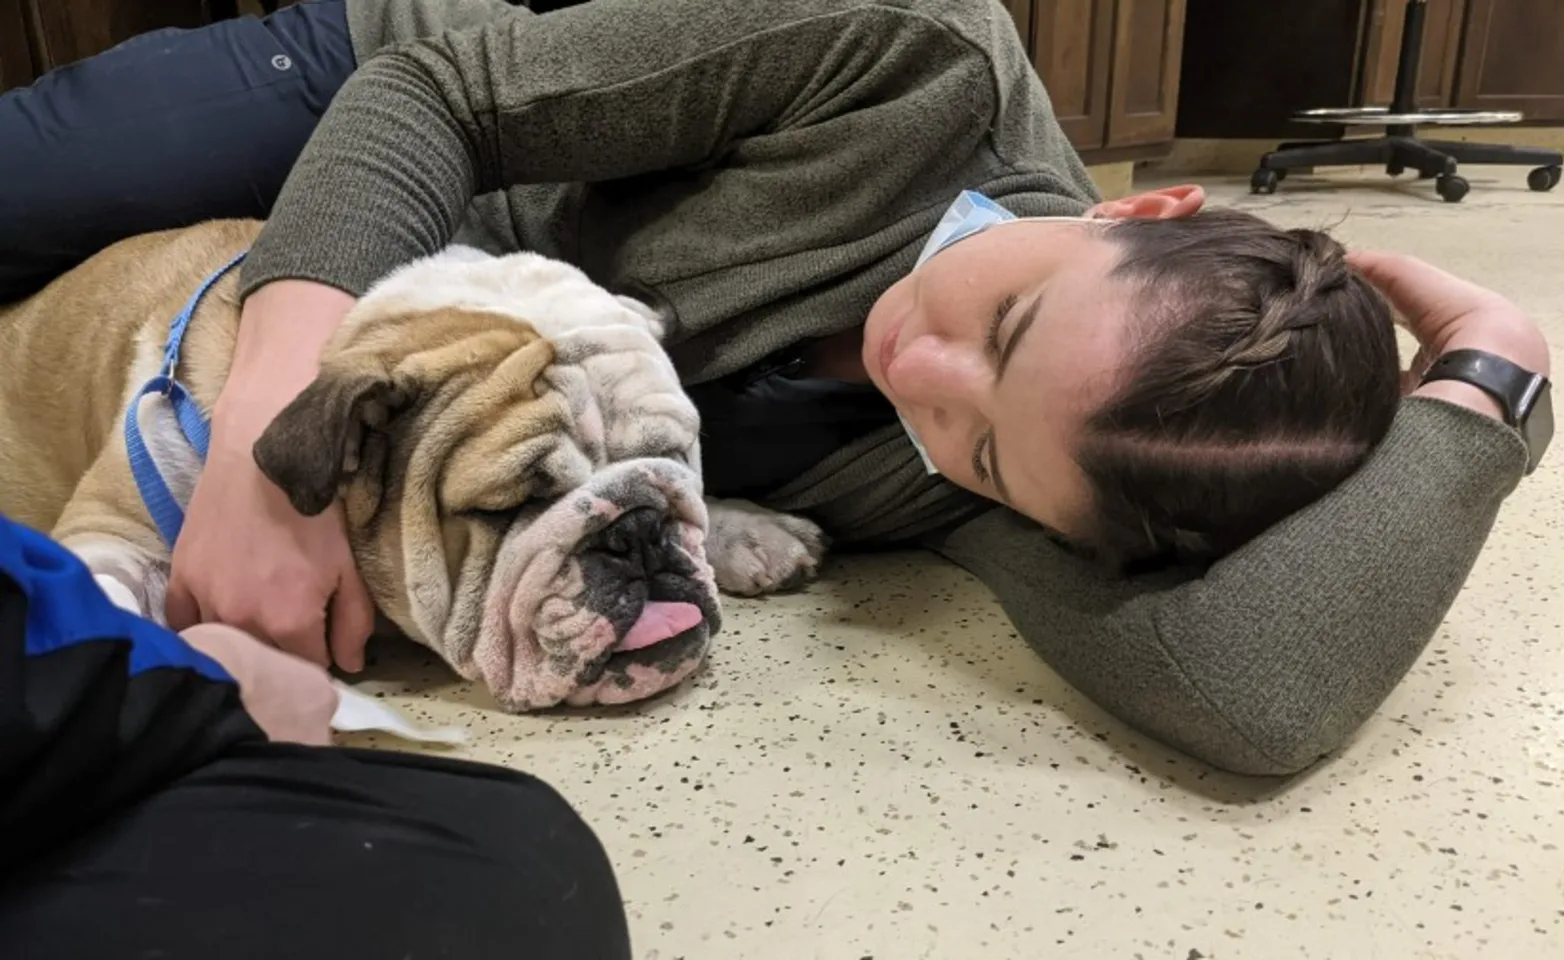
(637, 536)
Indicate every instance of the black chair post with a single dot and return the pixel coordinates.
(1409, 64)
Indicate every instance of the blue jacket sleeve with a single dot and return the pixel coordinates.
(98, 707)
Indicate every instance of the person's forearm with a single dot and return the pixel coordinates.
(282, 331)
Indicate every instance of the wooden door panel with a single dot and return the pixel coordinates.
(1021, 13)
(1513, 58)
(16, 58)
(1441, 48)
(1147, 57)
(1072, 47)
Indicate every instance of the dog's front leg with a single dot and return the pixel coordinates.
(755, 551)
(106, 526)
(130, 576)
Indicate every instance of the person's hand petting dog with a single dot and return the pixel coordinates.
(245, 557)
(1445, 313)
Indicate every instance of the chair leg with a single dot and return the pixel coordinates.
(1302, 144)
(1422, 156)
(1344, 153)
(1497, 153)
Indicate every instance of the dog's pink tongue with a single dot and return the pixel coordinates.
(659, 621)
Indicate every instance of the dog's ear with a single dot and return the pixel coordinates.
(381, 370)
(317, 440)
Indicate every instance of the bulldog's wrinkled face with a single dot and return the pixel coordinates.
(525, 505)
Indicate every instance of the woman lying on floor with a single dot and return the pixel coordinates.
(1160, 386)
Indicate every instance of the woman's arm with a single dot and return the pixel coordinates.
(1278, 653)
(608, 90)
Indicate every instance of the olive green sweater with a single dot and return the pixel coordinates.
(761, 172)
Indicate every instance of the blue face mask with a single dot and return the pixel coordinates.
(970, 214)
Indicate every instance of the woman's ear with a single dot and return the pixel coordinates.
(1169, 203)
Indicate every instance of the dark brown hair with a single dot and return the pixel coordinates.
(1266, 372)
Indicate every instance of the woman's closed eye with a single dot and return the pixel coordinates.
(991, 342)
(992, 345)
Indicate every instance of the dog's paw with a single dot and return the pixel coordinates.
(756, 551)
(119, 594)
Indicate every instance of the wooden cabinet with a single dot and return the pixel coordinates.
(1249, 66)
(1072, 47)
(1111, 67)
(1512, 57)
(1482, 54)
(16, 59)
(1148, 40)
(1441, 52)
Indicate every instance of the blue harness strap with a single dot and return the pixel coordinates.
(160, 503)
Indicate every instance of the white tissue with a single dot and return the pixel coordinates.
(358, 711)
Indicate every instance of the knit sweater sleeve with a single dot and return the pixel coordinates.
(604, 91)
(1274, 656)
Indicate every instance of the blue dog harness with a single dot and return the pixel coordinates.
(166, 511)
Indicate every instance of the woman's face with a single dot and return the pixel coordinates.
(998, 349)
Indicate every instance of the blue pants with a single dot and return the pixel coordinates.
(165, 130)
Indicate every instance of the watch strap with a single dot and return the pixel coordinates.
(1501, 379)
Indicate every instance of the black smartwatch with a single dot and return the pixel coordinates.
(1525, 397)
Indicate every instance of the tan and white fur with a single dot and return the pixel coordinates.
(467, 405)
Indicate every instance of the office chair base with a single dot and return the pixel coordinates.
(1438, 160)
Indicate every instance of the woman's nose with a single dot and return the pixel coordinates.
(938, 373)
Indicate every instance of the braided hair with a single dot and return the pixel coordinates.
(1265, 371)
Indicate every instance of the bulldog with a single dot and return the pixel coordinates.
(518, 465)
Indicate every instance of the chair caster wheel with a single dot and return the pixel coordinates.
(1452, 188)
(1544, 179)
(1265, 180)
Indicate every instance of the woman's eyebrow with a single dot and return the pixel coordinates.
(1005, 353)
(1022, 326)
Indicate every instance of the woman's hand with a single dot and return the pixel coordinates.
(245, 557)
(1447, 313)
(289, 699)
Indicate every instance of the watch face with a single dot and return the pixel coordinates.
(1539, 423)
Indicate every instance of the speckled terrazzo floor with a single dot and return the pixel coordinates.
(879, 768)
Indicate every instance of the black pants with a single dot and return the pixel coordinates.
(165, 130)
(281, 851)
